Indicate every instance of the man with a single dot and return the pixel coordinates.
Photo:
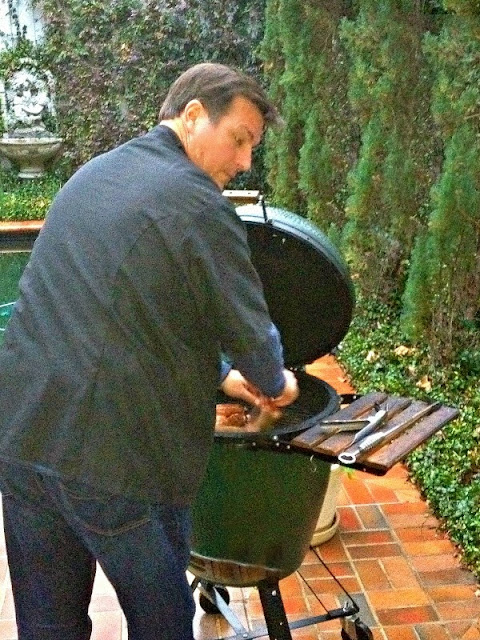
(139, 280)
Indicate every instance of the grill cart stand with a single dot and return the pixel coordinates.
(215, 599)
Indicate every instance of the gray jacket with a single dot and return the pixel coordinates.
(140, 277)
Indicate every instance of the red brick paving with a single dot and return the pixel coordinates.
(388, 553)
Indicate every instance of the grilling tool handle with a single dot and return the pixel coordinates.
(350, 457)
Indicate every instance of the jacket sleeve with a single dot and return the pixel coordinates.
(263, 367)
(229, 291)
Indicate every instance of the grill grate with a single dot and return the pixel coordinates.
(317, 399)
(294, 415)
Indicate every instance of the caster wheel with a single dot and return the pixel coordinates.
(207, 605)
(361, 632)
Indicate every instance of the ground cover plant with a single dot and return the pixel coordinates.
(26, 199)
(378, 357)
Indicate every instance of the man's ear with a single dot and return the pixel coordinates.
(192, 112)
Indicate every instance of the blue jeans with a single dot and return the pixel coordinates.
(56, 531)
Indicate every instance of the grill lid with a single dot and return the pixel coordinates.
(306, 282)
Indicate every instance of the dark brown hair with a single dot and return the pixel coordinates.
(215, 86)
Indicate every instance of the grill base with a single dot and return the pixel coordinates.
(233, 574)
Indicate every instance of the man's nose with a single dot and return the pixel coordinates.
(244, 159)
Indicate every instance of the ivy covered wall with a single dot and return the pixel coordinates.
(113, 61)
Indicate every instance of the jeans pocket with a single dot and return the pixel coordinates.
(101, 512)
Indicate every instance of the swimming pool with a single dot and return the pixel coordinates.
(12, 264)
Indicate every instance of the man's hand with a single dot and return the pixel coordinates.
(236, 386)
(290, 391)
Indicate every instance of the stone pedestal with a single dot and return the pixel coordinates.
(30, 154)
(327, 523)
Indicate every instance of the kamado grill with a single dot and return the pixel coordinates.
(258, 506)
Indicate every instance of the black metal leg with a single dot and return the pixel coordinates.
(274, 612)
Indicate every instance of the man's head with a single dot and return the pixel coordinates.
(219, 114)
(215, 86)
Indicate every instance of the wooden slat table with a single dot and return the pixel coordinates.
(405, 415)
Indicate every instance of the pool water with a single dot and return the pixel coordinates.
(12, 265)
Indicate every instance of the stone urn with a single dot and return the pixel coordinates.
(30, 155)
(26, 97)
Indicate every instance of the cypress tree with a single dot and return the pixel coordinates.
(285, 35)
(307, 160)
(463, 7)
(389, 183)
(271, 53)
(451, 252)
(328, 131)
(417, 308)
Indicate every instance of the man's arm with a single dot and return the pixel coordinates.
(261, 372)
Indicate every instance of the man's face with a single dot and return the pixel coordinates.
(224, 148)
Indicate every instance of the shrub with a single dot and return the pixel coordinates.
(27, 199)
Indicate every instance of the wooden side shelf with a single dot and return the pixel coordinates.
(411, 423)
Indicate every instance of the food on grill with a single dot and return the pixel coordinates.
(230, 415)
(238, 417)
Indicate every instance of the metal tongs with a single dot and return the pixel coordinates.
(332, 427)
(373, 440)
